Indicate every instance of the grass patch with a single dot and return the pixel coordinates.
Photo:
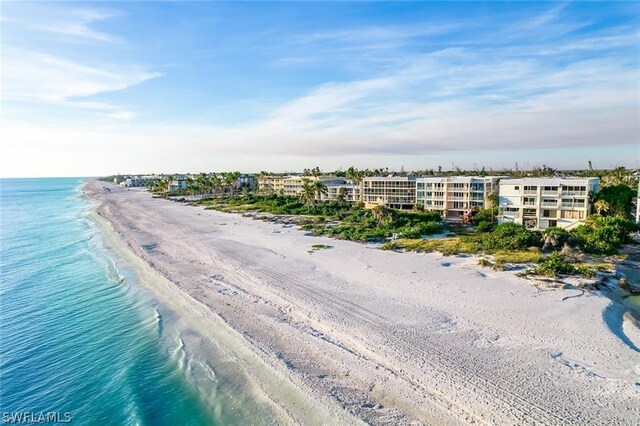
(321, 246)
(446, 246)
(518, 256)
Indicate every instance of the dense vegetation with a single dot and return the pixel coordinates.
(337, 219)
(555, 251)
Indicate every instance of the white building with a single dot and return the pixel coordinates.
(292, 186)
(350, 191)
(453, 196)
(392, 191)
(177, 184)
(539, 203)
(137, 181)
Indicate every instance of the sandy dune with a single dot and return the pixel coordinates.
(392, 338)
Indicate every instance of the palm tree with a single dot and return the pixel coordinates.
(492, 201)
(202, 181)
(342, 194)
(320, 189)
(602, 206)
(380, 212)
(307, 193)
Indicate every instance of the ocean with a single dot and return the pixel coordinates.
(79, 339)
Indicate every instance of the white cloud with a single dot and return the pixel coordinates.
(39, 76)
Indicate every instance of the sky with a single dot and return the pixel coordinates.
(98, 88)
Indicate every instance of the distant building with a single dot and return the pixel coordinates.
(350, 191)
(292, 185)
(177, 184)
(272, 184)
(539, 203)
(453, 196)
(248, 181)
(392, 191)
(137, 181)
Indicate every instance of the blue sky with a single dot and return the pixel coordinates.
(102, 87)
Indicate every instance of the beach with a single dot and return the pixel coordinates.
(350, 333)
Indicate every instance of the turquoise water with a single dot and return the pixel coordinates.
(76, 335)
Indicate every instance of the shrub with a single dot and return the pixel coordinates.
(509, 236)
(555, 265)
(619, 198)
(487, 215)
(484, 226)
(603, 234)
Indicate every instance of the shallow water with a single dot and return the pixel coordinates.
(79, 336)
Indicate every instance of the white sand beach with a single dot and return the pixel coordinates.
(352, 333)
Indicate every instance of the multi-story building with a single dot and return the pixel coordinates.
(392, 191)
(349, 191)
(246, 180)
(539, 203)
(453, 196)
(293, 185)
(137, 181)
(272, 183)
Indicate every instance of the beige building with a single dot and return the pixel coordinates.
(454, 196)
(539, 203)
(272, 183)
(292, 185)
(393, 191)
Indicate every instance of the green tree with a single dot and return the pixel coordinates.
(342, 194)
(602, 207)
(320, 189)
(492, 201)
(307, 193)
(618, 197)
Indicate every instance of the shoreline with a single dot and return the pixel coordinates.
(385, 367)
(289, 404)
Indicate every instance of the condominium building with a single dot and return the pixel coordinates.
(246, 180)
(272, 184)
(137, 181)
(177, 184)
(349, 191)
(392, 191)
(453, 196)
(539, 203)
(293, 185)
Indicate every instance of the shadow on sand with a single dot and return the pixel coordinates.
(613, 316)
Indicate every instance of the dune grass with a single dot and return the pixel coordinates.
(442, 245)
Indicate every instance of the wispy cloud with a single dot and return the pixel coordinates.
(32, 76)
(78, 23)
(41, 75)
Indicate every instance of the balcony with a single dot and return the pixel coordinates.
(573, 193)
(554, 204)
(530, 192)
